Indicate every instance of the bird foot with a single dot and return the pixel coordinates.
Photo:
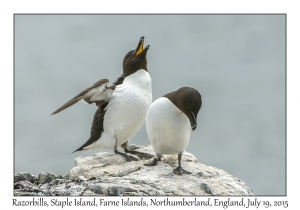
(152, 163)
(180, 171)
(140, 154)
(128, 158)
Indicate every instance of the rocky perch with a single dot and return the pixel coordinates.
(109, 174)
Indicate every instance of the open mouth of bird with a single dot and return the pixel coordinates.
(140, 47)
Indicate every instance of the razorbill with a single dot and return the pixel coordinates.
(122, 107)
(169, 122)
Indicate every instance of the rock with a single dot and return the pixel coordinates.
(46, 177)
(81, 179)
(25, 176)
(109, 174)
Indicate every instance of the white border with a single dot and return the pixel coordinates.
(8, 8)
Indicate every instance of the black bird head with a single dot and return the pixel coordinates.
(136, 59)
(189, 101)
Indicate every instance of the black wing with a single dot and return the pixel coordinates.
(97, 126)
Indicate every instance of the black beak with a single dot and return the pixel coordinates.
(140, 48)
(193, 120)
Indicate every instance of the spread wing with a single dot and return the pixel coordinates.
(97, 125)
(94, 94)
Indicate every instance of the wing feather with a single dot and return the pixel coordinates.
(97, 127)
(95, 93)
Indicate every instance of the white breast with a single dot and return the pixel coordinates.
(126, 111)
(167, 127)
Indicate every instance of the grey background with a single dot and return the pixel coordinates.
(236, 62)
